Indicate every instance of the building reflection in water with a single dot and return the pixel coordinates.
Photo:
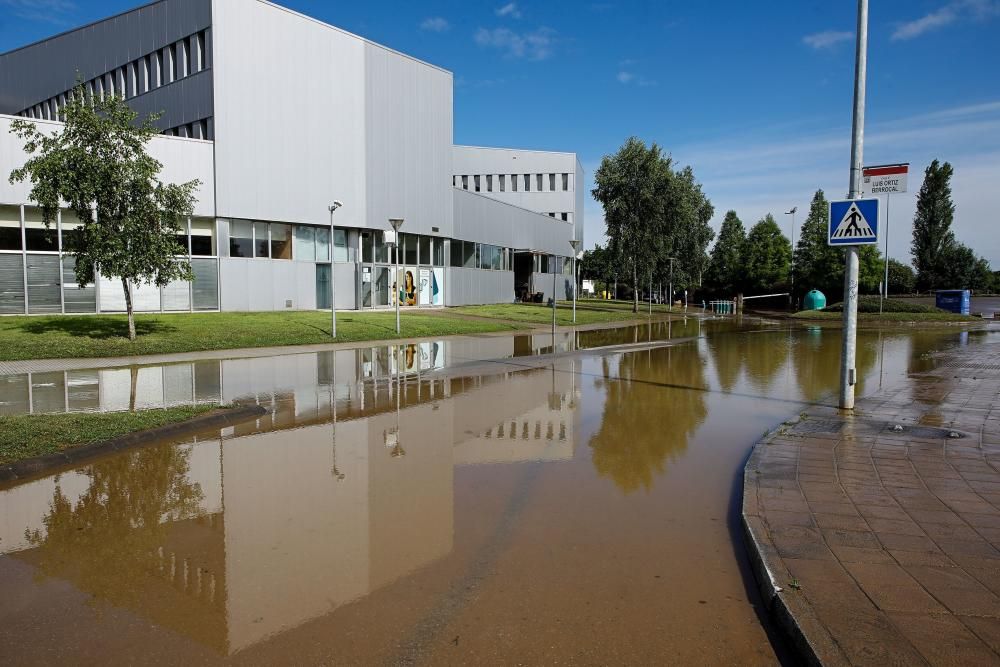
(235, 538)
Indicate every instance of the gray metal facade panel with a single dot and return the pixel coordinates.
(409, 142)
(181, 102)
(289, 116)
(45, 69)
(479, 218)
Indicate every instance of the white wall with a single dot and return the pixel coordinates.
(266, 284)
(183, 160)
(479, 218)
(463, 287)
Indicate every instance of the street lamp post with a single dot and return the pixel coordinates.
(575, 243)
(396, 224)
(792, 275)
(670, 293)
(333, 295)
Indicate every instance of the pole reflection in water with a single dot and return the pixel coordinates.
(522, 478)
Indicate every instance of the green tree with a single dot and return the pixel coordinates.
(902, 278)
(599, 265)
(632, 186)
(817, 264)
(871, 269)
(98, 164)
(768, 257)
(725, 267)
(685, 231)
(966, 270)
(933, 239)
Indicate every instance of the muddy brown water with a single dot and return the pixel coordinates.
(467, 501)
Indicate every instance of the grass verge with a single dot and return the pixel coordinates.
(26, 436)
(885, 317)
(587, 312)
(61, 337)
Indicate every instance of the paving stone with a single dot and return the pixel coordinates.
(891, 588)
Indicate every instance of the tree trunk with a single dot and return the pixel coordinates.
(635, 288)
(133, 385)
(128, 307)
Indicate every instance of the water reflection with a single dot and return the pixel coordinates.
(369, 488)
(654, 389)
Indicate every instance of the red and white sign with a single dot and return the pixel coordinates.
(885, 179)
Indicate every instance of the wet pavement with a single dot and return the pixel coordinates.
(501, 499)
(880, 532)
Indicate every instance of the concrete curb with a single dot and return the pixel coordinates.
(34, 466)
(790, 611)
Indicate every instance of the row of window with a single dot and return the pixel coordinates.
(565, 216)
(526, 182)
(198, 237)
(199, 129)
(273, 240)
(176, 61)
(414, 250)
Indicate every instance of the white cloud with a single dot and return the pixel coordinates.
(435, 24)
(625, 77)
(827, 39)
(51, 11)
(510, 10)
(980, 10)
(535, 45)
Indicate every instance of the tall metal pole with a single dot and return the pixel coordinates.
(575, 244)
(333, 293)
(885, 284)
(848, 370)
(670, 289)
(553, 269)
(396, 223)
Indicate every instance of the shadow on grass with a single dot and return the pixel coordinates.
(98, 328)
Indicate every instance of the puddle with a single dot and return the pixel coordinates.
(455, 501)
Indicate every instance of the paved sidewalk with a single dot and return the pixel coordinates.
(877, 544)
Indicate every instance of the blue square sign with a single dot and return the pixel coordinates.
(853, 222)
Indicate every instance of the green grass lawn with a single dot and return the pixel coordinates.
(885, 317)
(893, 310)
(27, 436)
(60, 337)
(587, 312)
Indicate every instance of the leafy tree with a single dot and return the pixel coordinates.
(725, 267)
(599, 265)
(631, 185)
(818, 265)
(871, 269)
(685, 231)
(768, 256)
(98, 164)
(965, 270)
(902, 278)
(933, 239)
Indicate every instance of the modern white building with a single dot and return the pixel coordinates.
(279, 115)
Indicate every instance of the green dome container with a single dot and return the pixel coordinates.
(815, 300)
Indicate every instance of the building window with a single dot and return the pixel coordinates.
(527, 182)
(281, 241)
(72, 231)
(424, 243)
(10, 227)
(503, 182)
(489, 183)
(565, 180)
(513, 182)
(565, 217)
(438, 252)
(382, 249)
(198, 55)
(340, 253)
(476, 179)
(322, 244)
(468, 254)
(465, 182)
(409, 249)
(241, 238)
(305, 243)
(552, 182)
(454, 181)
(538, 181)
(455, 255)
(203, 237)
(37, 236)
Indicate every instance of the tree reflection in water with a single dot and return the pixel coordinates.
(648, 414)
(106, 540)
(816, 354)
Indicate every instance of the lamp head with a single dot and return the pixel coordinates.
(335, 205)
(396, 223)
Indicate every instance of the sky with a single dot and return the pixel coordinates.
(755, 96)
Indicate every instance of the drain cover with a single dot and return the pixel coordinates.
(808, 426)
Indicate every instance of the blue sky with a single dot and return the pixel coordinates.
(755, 96)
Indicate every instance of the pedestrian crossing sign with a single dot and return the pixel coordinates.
(853, 222)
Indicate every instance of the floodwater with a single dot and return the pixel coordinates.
(474, 500)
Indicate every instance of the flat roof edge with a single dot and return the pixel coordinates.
(518, 150)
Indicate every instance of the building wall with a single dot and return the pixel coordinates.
(307, 114)
(465, 287)
(51, 67)
(480, 218)
(473, 161)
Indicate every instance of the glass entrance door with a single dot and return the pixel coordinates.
(322, 286)
(382, 274)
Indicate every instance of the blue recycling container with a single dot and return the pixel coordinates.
(954, 300)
